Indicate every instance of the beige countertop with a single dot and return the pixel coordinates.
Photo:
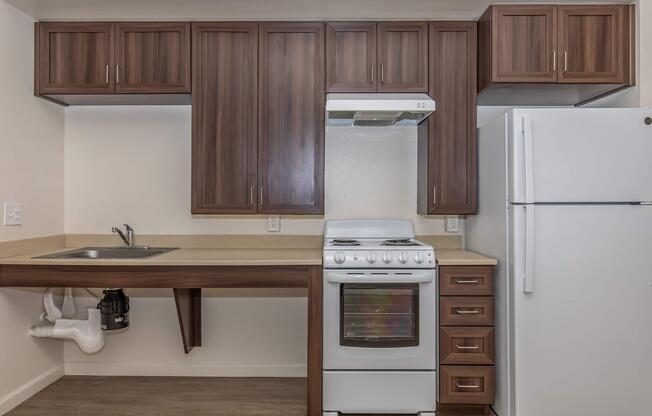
(246, 253)
(462, 258)
(189, 257)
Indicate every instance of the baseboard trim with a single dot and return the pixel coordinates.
(185, 369)
(30, 388)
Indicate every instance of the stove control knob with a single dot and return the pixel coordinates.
(403, 258)
(387, 257)
(339, 258)
(371, 258)
(418, 258)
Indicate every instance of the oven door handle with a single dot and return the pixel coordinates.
(379, 278)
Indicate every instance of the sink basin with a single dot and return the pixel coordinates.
(109, 253)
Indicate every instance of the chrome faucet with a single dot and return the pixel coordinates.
(129, 238)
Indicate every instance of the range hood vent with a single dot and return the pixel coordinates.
(377, 110)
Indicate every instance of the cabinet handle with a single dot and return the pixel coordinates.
(107, 74)
(467, 386)
(117, 74)
(554, 61)
(372, 73)
(251, 196)
(382, 73)
(434, 195)
(467, 312)
(463, 347)
(565, 61)
(467, 282)
(260, 201)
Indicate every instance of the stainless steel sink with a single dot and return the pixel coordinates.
(140, 252)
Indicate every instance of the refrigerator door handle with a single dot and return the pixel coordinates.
(528, 276)
(528, 160)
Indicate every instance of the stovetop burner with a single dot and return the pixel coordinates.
(399, 243)
(345, 243)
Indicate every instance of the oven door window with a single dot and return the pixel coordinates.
(379, 315)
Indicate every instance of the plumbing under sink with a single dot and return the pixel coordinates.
(138, 252)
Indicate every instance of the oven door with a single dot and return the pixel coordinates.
(382, 320)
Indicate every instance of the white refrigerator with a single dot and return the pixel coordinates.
(564, 205)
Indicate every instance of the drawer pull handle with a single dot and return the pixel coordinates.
(467, 282)
(467, 386)
(463, 347)
(467, 312)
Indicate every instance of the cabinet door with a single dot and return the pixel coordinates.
(75, 58)
(224, 117)
(291, 123)
(525, 44)
(153, 58)
(403, 56)
(351, 57)
(451, 152)
(594, 44)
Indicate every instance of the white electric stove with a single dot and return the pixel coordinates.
(379, 319)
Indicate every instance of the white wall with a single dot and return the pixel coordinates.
(132, 164)
(31, 172)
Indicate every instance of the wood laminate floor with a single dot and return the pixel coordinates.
(168, 396)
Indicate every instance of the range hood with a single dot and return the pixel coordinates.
(377, 109)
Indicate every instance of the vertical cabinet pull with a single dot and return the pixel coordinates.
(108, 67)
(434, 195)
(251, 196)
(372, 72)
(117, 74)
(260, 201)
(382, 73)
(554, 61)
(565, 61)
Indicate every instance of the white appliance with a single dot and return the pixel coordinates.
(564, 204)
(377, 109)
(379, 319)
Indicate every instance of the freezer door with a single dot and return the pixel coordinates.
(580, 155)
(582, 310)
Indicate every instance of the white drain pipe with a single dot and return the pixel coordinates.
(87, 334)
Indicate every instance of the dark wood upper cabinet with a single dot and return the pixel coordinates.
(152, 57)
(447, 144)
(554, 55)
(594, 44)
(291, 118)
(351, 57)
(402, 56)
(224, 118)
(74, 58)
(524, 39)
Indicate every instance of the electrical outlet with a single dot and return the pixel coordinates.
(274, 223)
(452, 224)
(13, 214)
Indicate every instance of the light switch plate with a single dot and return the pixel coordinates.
(274, 223)
(13, 214)
(452, 224)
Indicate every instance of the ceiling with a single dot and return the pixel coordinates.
(262, 9)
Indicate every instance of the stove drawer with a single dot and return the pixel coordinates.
(460, 311)
(466, 385)
(466, 345)
(466, 281)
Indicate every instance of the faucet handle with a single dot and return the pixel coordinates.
(128, 228)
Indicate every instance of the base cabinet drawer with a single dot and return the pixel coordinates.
(466, 281)
(466, 384)
(477, 310)
(466, 345)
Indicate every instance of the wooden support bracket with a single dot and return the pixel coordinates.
(189, 310)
